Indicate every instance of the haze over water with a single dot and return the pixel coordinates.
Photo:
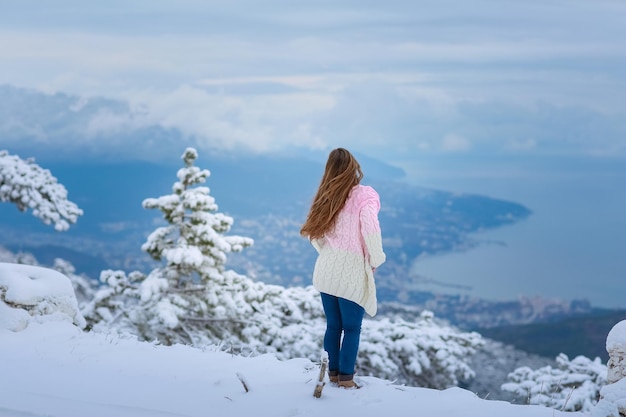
(571, 247)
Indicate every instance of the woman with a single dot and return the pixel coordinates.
(342, 225)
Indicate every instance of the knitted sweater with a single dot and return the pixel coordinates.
(347, 254)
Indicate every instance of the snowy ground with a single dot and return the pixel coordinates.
(55, 369)
(52, 368)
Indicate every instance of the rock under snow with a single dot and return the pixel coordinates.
(616, 338)
(35, 293)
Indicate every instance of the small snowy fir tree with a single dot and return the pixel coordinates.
(29, 186)
(571, 386)
(192, 298)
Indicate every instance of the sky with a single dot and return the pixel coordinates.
(521, 100)
(56, 369)
(401, 80)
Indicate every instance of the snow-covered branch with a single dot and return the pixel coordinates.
(29, 186)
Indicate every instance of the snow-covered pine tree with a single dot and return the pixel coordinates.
(424, 352)
(571, 386)
(192, 298)
(289, 322)
(29, 186)
(193, 243)
(199, 294)
(114, 304)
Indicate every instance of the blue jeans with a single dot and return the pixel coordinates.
(342, 316)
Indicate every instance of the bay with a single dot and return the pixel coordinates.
(571, 247)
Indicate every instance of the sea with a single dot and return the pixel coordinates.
(572, 247)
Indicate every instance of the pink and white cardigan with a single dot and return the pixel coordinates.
(348, 253)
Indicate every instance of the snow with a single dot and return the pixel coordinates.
(613, 399)
(32, 292)
(58, 370)
(614, 394)
(53, 368)
(29, 186)
(616, 338)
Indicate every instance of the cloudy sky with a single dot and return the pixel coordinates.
(396, 79)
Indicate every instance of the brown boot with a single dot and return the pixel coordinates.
(347, 381)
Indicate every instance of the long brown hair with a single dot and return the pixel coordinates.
(342, 173)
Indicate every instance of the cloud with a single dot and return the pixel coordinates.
(261, 123)
(389, 79)
(453, 142)
(370, 118)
